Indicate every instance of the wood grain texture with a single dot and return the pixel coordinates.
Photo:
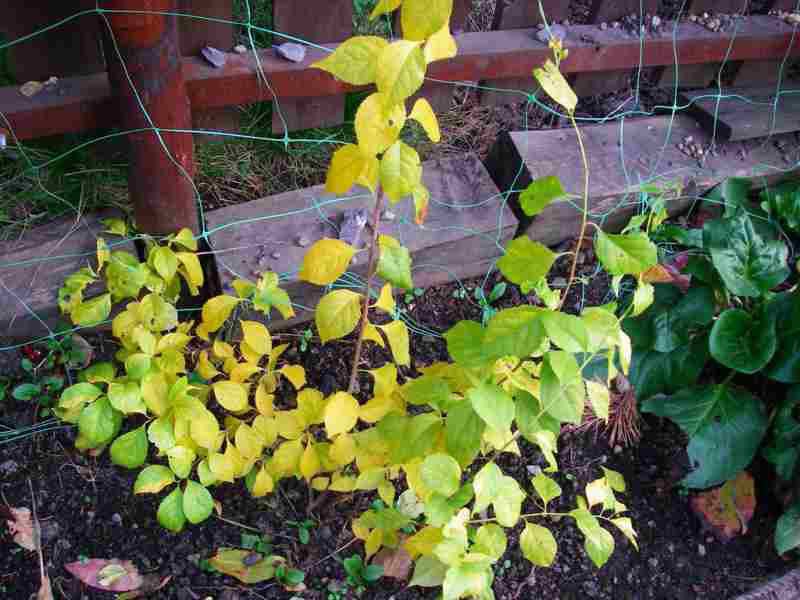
(34, 266)
(464, 233)
(322, 22)
(651, 155)
(745, 113)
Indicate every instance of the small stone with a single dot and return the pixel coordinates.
(616, 24)
(565, 23)
(559, 282)
(214, 57)
(653, 562)
(116, 518)
(388, 215)
(556, 31)
(701, 549)
(291, 51)
(617, 449)
(303, 241)
(30, 89)
(275, 255)
(90, 515)
(603, 26)
(534, 470)
(240, 49)
(671, 548)
(8, 468)
(656, 21)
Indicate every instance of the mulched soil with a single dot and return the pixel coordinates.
(87, 509)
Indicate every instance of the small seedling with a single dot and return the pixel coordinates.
(415, 293)
(289, 578)
(259, 543)
(460, 294)
(360, 575)
(485, 302)
(305, 339)
(303, 529)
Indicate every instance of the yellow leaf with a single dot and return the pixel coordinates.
(377, 408)
(386, 491)
(441, 45)
(397, 332)
(423, 114)
(235, 457)
(401, 171)
(371, 478)
(341, 414)
(311, 406)
(257, 337)
(243, 372)
(377, 128)
(337, 314)
(243, 288)
(424, 541)
(384, 6)
(273, 359)
(289, 424)
(217, 310)
(326, 261)
(186, 238)
(267, 428)
(263, 484)
(295, 374)
(320, 483)
(249, 354)
(155, 393)
(373, 542)
(343, 450)
(386, 301)
(414, 479)
(287, 457)
(401, 71)
(342, 483)
(599, 398)
(350, 165)
(354, 61)
(309, 464)
(556, 86)
(230, 364)
(264, 400)
(222, 467)
(231, 395)
(385, 380)
(193, 269)
(222, 349)
(204, 429)
(103, 253)
(248, 442)
(420, 19)
(371, 334)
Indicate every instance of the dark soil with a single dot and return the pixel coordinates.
(87, 509)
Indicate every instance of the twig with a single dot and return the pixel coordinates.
(334, 553)
(373, 258)
(237, 524)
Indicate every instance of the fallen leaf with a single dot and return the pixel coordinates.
(45, 590)
(396, 562)
(727, 510)
(244, 565)
(112, 575)
(21, 526)
(667, 274)
(150, 584)
(30, 89)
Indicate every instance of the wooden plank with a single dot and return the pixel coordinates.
(33, 268)
(519, 14)
(608, 11)
(745, 113)
(467, 226)
(319, 21)
(84, 103)
(72, 49)
(647, 153)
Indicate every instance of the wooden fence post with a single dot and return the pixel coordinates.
(145, 72)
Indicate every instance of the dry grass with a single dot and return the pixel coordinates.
(622, 427)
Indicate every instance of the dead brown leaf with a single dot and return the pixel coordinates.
(396, 562)
(150, 584)
(20, 524)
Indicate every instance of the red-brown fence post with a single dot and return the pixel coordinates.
(144, 67)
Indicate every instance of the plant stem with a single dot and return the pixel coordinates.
(585, 219)
(373, 260)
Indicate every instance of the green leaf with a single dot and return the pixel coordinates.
(338, 314)
(130, 450)
(655, 372)
(787, 531)
(162, 433)
(463, 432)
(599, 543)
(785, 312)
(197, 502)
(546, 488)
(568, 332)
(126, 397)
(428, 572)
(526, 261)
(165, 262)
(669, 322)
(26, 392)
(99, 422)
(181, 460)
(465, 344)
(493, 405)
(540, 193)
(400, 171)
(493, 488)
(490, 539)
(538, 545)
(137, 366)
(153, 479)
(170, 512)
(394, 264)
(783, 449)
(562, 388)
(102, 372)
(514, 331)
(400, 70)
(92, 312)
(626, 254)
(725, 426)
(441, 472)
(78, 394)
(742, 342)
(125, 275)
(355, 60)
(783, 203)
(748, 263)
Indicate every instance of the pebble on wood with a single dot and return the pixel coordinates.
(291, 51)
(556, 31)
(214, 57)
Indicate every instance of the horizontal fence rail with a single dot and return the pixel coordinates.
(85, 103)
